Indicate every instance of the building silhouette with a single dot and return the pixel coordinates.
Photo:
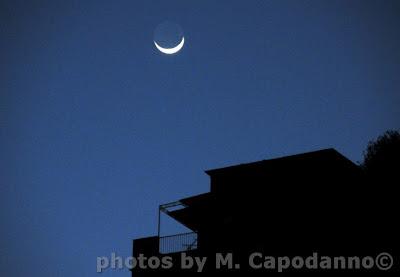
(296, 205)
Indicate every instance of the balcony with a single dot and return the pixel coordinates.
(190, 213)
(185, 240)
(178, 243)
(165, 245)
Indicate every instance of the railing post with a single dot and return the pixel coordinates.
(159, 221)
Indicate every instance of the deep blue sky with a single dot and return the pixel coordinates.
(97, 128)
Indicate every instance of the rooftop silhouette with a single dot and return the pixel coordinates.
(295, 205)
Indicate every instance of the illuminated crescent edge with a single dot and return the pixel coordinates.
(173, 50)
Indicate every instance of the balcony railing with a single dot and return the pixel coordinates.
(178, 243)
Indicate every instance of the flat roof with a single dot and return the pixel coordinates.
(329, 152)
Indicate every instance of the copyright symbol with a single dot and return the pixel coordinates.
(384, 261)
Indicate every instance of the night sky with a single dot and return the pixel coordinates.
(97, 127)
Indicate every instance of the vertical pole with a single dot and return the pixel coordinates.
(159, 220)
(159, 227)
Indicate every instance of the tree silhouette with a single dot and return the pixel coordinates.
(382, 156)
(382, 166)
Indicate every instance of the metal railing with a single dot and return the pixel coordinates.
(178, 243)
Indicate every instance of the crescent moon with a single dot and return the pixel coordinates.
(173, 50)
